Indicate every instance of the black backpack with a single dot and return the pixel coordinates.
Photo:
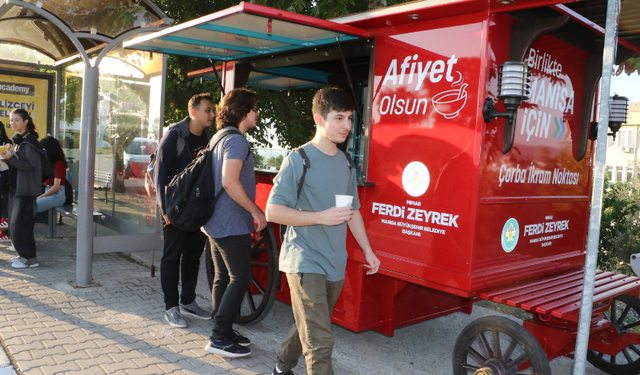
(190, 196)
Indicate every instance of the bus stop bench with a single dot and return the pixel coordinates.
(101, 180)
(70, 211)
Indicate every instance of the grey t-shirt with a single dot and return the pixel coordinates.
(229, 218)
(317, 249)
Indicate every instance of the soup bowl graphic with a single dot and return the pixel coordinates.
(449, 103)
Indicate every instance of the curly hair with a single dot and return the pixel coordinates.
(234, 107)
(31, 127)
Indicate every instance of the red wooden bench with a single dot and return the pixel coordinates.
(560, 295)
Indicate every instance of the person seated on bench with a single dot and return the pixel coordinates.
(53, 195)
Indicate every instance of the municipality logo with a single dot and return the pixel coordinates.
(415, 179)
(510, 234)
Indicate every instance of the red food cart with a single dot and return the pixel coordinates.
(468, 191)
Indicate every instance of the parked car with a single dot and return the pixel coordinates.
(137, 156)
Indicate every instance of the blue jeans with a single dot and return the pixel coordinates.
(54, 200)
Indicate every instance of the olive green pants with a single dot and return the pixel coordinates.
(312, 302)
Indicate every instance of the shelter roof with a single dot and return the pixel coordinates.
(108, 18)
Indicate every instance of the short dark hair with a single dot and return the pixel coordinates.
(331, 99)
(234, 107)
(195, 100)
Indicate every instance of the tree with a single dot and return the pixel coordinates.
(275, 161)
(620, 226)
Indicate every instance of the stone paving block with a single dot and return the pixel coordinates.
(75, 356)
(22, 355)
(12, 341)
(255, 371)
(36, 363)
(59, 342)
(121, 357)
(82, 337)
(71, 348)
(34, 371)
(150, 370)
(46, 352)
(147, 361)
(109, 349)
(28, 338)
(204, 370)
(124, 365)
(96, 370)
(133, 346)
(255, 360)
(9, 334)
(95, 362)
(62, 368)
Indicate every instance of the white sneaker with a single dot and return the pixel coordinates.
(4, 238)
(25, 263)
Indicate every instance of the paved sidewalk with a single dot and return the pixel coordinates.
(48, 327)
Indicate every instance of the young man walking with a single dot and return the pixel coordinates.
(313, 254)
(182, 250)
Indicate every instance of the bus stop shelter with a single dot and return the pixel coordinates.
(104, 104)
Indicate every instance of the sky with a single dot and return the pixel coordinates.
(628, 86)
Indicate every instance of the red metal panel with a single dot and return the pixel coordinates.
(425, 233)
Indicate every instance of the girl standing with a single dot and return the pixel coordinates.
(25, 182)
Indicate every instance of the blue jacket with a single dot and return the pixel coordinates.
(168, 162)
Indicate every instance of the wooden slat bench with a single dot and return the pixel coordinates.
(102, 180)
(560, 295)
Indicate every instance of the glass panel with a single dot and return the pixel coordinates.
(632, 140)
(618, 173)
(109, 17)
(269, 159)
(129, 110)
(612, 142)
(610, 173)
(36, 34)
(629, 173)
(24, 54)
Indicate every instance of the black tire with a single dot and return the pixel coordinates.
(624, 315)
(265, 265)
(500, 344)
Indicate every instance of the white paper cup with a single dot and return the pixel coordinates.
(344, 200)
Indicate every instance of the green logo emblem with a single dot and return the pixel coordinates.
(510, 234)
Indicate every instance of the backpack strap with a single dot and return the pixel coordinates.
(306, 164)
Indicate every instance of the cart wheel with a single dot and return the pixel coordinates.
(497, 345)
(624, 315)
(261, 294)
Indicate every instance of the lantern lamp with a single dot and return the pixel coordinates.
(618, 108)
(513, 88)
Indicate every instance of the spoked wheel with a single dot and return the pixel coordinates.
(260, 296)
(498, 346)
(624, 315)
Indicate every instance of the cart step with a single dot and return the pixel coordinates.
(560, 295)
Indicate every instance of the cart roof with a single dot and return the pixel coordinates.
(244, 31)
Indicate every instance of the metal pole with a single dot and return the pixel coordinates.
(593, 237)
(87, 167)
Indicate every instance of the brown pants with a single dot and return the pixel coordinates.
(312, 301)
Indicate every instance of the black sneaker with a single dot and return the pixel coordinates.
(239, 339)
(227, 348)
(288, 372)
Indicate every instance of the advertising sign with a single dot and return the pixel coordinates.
(30, 91)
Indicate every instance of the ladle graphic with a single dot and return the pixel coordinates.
(449, 103)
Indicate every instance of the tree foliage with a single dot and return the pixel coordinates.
(288, 112)
(620, 226)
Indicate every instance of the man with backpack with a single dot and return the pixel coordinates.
(313, 254)
(235, 218)
(182, 250)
